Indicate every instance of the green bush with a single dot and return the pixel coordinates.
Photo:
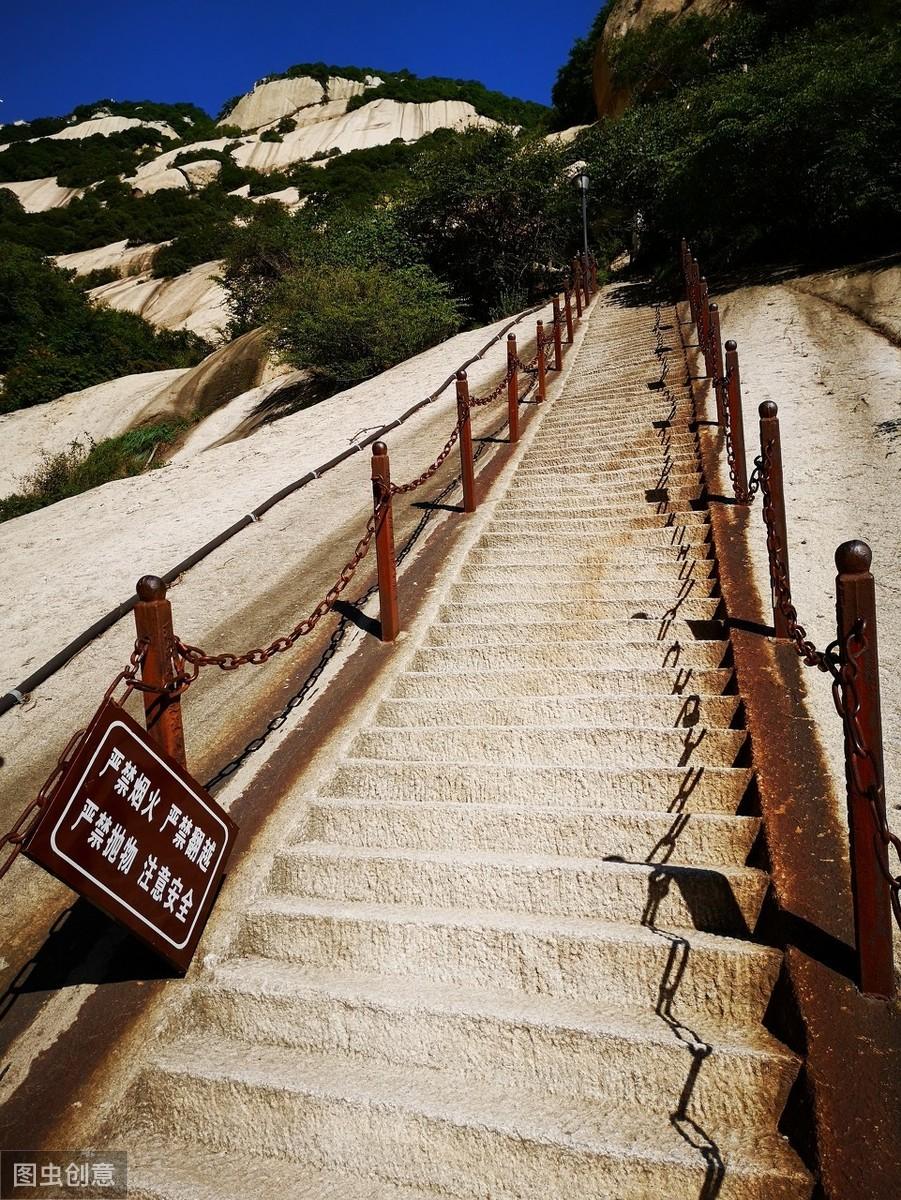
(82, 466)
(53, 340)
(80, 161)
(408, 88)
(350, 323)
(491, 214)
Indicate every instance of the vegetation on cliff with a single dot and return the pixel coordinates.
(765, 133)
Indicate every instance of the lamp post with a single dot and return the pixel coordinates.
(582, 181)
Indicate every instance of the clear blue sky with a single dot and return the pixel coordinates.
(55, 54)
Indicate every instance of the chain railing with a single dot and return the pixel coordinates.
(169, 665)
(851, 660)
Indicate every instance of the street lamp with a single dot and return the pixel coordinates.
(582, 181)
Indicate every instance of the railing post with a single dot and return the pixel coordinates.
(855, 601)
(770, 437)
(512, 388)
(568, 311)
(693, 291)
(577, 287)
(704, 326)
(386, 564)
(542, 366)
(594, 273)
(162, 710)
(586, 279)
(716, 350)
(736, 423)
(467, 468)
(558, 336)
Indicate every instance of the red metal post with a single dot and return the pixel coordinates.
(736, 422)
(467, 468)
(558, 336)
(855, 602)
(693, 290)
(719, 374)
(577, 287)
(386, 564)
(512, 388)
(586, 279)
(594, 273)
(770, 437)
(162, 710)
(542, 366)
(568, 310)
(704, 326)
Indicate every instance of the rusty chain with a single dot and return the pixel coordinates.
(863, 766)
(186, 656)
(29, 817)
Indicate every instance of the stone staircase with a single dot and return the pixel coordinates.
(509, 955)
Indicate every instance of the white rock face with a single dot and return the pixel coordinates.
(375, 124)
(40, 195)
(193, 301)
(288, 196)
(117, 256)
(159, 181)
(564, 136)
(271, 101)
(105, 126)
(102, 411)
(203, 172)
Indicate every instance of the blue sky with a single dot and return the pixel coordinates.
(55, 55)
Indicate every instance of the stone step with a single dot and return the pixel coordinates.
(619, 575)
(484, 685)
(593, 619)
(589, 746)
(647, 472)
(686, 838)
(560, 1048)
(600, 492)
(592, 527)
(676, 712)
(616, 964)
(167, 1167)
(366, 1118)
(725, 899)
(588, 656)
(687, 535)
(665, 789)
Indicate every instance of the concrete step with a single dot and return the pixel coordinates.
(600, 492)
(613, 963)
(726, 899)
(649, 472)
(421, 685)
(371, 1120)
(699, 839)
(563, 1048)
(587, 656)
(619, 575)
(511, 522)
(170, 1168)
(583, 619)
(664, 789)
(688, 535)
(676, 712)
(589, 746)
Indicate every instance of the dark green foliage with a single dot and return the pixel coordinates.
(95, 279)
(321, 72)
(409, 88)
(187, 120)
(573, 92)
(286, 125)
(82, 466)
(80, 161)
(39, 127)
(53, 340)
(270, 135)
(491, 214)
(794, 158)
(350, 323)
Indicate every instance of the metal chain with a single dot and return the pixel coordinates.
(196, 658)
(400, 489)
(865, 770)
(28, 819)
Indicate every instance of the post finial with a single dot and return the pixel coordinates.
(379, 448)
(853, 558)
(769, 409)
(150, 587)
(732, 345)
